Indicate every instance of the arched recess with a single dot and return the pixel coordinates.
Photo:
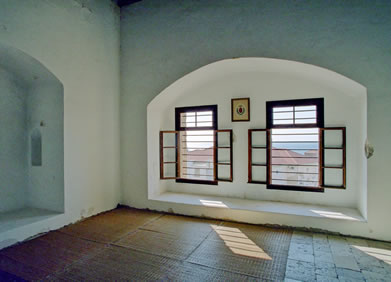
(263, 79)
(31, 110)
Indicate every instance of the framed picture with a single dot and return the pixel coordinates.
(240, 109)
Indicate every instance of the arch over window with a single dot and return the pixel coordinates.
(263, 79)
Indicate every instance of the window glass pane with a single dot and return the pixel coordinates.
(282, 109)
(333, 138)
(305, 121)
(288, 115)
(333, 177)
(309, 114)
(259, 173)
(297, 131)
(289, 121)
(295, 157)
(305, 108)
(205, 113)
(197, 119)
(188, 119)
(197, 154)
(204, 119)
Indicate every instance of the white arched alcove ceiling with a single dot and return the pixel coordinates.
(263, 79)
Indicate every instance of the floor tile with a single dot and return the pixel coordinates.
(240, 257)
(321, 278)
(349, 279)
(49, 253)
(16, 268)
(156, 243)
(269, 239)
(299, 270)
(110, 226)
(322, 247)
(376, 276)
(348, 262)
(301, 248)
(8, 277)
(351, 274)
(181, 226)
(322, 257)
(326, 269)
(302, 237)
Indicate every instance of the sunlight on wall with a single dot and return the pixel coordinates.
(239, 243)
(336, 215)
(217, 204)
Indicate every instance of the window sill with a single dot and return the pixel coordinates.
(322, 212)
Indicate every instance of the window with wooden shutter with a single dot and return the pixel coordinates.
(203, 154)
(295, 153)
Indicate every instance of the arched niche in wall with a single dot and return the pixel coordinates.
(31, 111)
(263, 79)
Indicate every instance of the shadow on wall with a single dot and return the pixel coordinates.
(32, 135)
(36, 147)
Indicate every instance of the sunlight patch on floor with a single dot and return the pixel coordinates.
(381, 254)
(239, 243)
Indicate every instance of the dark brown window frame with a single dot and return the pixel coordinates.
(209, 108)
(326, 166)
(323, 149)
(179, 128)
(319, 103)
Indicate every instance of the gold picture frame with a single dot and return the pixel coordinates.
(240, 109)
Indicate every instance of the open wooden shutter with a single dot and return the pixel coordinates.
(333, 157)
(223, 155)
(169, 157)
(258, 156)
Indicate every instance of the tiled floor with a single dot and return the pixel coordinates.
(129, 244)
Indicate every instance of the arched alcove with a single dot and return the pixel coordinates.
(262, 80)
(31, 110)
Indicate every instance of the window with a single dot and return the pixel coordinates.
(294, 151)
(196, 127)
(294, 155)
(199, 152)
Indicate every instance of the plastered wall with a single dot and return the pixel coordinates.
(78, 41)
(45, 112)
(162, 41)
(13, 138)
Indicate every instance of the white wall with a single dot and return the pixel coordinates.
(263, 80)
(78, 41)
(162, 41)
(13, 138)
(45, 113)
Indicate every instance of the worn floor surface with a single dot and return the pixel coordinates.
(129, 244)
